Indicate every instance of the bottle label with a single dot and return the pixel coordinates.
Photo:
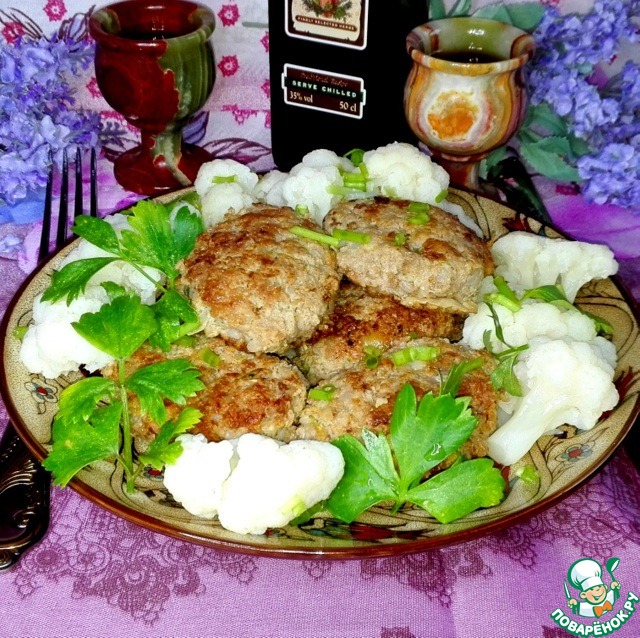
(338, 22)
(323, 90)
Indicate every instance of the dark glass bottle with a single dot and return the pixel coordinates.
(338, 69)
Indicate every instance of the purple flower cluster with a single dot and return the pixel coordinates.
(563, 74)
(37, 118)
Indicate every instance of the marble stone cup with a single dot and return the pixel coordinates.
(465, 94)
(155, 66)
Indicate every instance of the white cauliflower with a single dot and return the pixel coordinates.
(219, 168)
(196, 479)
(402, 170)
(269, 188)
(51, 346)
(322, 157)
(534, 319)
(219, 196)
(253, 483)
(220, 199)
(564, 382)
(310, 186)
(527, 261)
(457, 211)
(274, 483)
(118, 271)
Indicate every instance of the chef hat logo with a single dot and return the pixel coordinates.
(585, 573)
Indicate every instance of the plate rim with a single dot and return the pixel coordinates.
(294, 551)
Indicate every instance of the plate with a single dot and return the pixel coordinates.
(563, 461)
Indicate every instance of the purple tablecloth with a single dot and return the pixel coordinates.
(95, 574)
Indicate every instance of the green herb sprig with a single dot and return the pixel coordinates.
(393, 468)
(93, 421)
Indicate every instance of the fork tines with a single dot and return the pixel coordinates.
(62, 230)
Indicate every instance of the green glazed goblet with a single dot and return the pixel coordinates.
(154, 65)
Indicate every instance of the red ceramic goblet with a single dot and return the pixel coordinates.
(154, 65)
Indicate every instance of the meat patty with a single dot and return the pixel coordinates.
(364, 398)
(243, 392)
(258, 285)
(360, 320)
(439, 262)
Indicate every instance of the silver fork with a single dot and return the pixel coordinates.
(24, 483)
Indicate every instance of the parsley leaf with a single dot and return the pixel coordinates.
(480, 483)
(75, 447)
(79, 400)
(174, 379)
(164, 449)
(119, 328)
(71, 280)
(176, 318)
(392, 468)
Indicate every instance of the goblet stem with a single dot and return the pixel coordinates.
(465, 175)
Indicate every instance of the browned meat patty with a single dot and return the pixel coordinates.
(361, 320)
(256, 284)
(438, 263)
(243, 393)
(364, 398)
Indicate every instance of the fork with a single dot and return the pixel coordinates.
(24, 483)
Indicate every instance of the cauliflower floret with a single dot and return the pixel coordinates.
(308, 186)
(534, 319)
(118, 271)
(457, 211)
(52, 347)
(274, 483)
(563, 382)
(207, 173)
(402, 170)
(195, 479)
(269, 188)
(527, 261)
(220, 199)
(322, 157)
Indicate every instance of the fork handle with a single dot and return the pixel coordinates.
(24, 499)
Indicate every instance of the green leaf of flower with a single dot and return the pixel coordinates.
(118, 328)
(547, 157)
(75, 447)
(70, 281)
(164, 450)
(460, 490)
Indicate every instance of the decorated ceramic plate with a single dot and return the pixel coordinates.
(563, 461)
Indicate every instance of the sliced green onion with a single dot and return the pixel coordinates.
(341, 191)
(457, 373)
(322, 394)
(372, 356)
(356, 155)
(364, 170)
(209, 357)
(442, 195)
(301, 210)
(528, 474)
(419, 219)
(186, 340)
(400, 239)
(219, 179)
(418, 207)
(502, 300)
(356, 181)
(20, 332)
(306, 233)
(414, 353)
(352, 236)
(389, 192)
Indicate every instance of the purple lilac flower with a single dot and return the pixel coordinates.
(36, 111)
(570, 48)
